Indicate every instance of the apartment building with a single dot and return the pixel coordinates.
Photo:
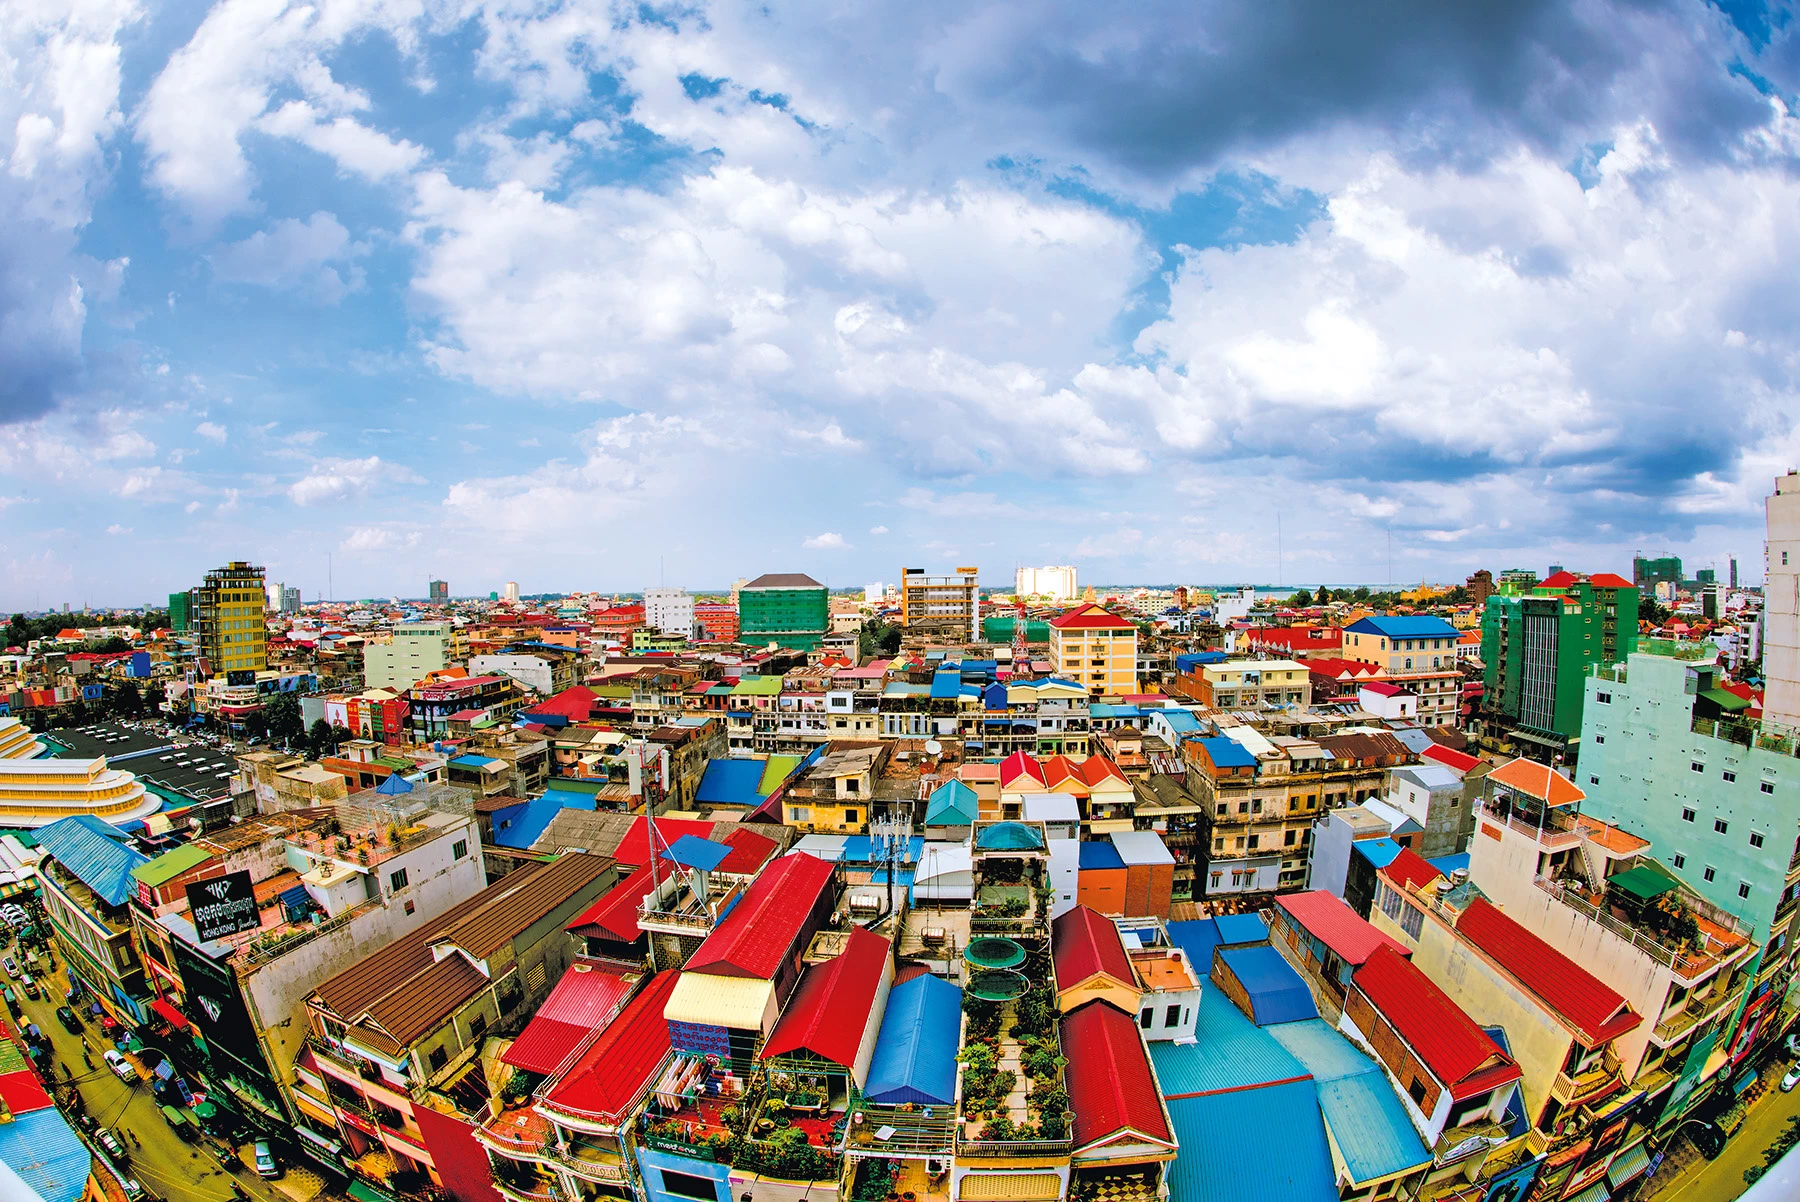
(85, 880)
(1781, 613)
(543, 668)
(1247, 684)
(1416, 653)
(412, 652)
(392, 1065)
(1096, 649)
(468, 699)
(943, 606)
(670, 610)
(228, 612)
(1052, 584)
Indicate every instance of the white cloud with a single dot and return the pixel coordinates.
(115, 529)
(381, 538)
(826, 542)
(294, 255)
(211, 431)
(878, 529)
(341, 479)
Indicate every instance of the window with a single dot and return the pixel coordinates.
(1680, 860)
(1720, 826)
(1253, 841)
(1730, 776)
(1756, 840)
(1218, 845)
(689, 1185)
(850, 816)
(1696, 766)
(1708, 873)
(1416, 1091)
(1768, 787)
(459, 849)
(410, 907)
(1743, 889)
(1287, 840)
(1599, 738)
(1603, 698)
(1240, 843)
(397, 879)
(1593, 780)
(436, 1058)
(1222, 808)
(1243, 807)
(1148, 1017)
(1687, 815)
(1172, 1016)
(477, 1025)
(1256, 805)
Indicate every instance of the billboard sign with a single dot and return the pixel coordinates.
(223, 906)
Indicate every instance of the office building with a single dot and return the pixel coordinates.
(948, 606)
(790, 609)
(1055, 584)
(1536, 650)
(229, 614)
(290, 600)
(1781, 606)
(415, 650)
(440, 591)
(512, 591)
(670, 611)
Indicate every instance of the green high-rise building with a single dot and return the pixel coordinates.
(787, 608)
(181, 612)
(1537, 649)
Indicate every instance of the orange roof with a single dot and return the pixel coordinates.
(1097, 768)
(1612, 838)
(1090, 617)
(1537, 780)
(1608, 580)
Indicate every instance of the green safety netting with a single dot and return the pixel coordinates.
(994, 953)
(998, 985)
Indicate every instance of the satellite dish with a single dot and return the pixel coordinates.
(932, 746)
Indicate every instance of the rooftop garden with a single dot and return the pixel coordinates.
(1012, 1062)
(782, 1125)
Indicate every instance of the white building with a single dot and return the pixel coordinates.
(1781, 605)
(416, 648)
(1056, 583)
(512, 591)
(874, 592)
(670, 610)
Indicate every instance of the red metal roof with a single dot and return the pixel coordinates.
(1581, 999)
(1085, 943)
(634, 849)
(1090, 617)
(1018, 763)
(1458, 1053)
(614, 914)
(1451, 758)
(584, 1000)
(1350, 937)
(1111, 1088)
(574, 703)
(822, 1017)
(1337, 669)
(1097, 768)
(1609, 580)
(749, 851)
(1410, 869)
(1537, 780)
(760, 930)
(1559, 580)
(617, 1066)
(1382, 688)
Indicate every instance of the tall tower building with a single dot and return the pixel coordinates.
(1781, 605)
(512, 591)
(229, 614)
(440, 591)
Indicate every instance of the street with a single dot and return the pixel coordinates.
(160, 1161)
(1722, 1179)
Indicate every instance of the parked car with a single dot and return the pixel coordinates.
(68, 1018)
(29, 986)
(1792, 1079)
(110, 1143)
(120, 1066)
(1793, 1043)
(265, 1160)
(12, 999)
(12, 967)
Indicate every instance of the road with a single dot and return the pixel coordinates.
(1722, 1179)
(160, 1161)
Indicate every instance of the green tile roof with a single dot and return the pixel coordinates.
(170, 864)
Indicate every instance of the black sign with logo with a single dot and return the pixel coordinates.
(240, 676)
(223, 906)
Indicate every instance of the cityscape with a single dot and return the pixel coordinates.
(683, 602)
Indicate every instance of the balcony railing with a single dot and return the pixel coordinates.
(1460, 1143)
(1677, 1025)
(1687, 966)
(1574, 1089)
(1013, 1147)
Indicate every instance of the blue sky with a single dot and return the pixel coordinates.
(585, 295)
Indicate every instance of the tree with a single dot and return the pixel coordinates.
(127, 702)
(18, 631)
(1651, 612)
(113, 646)
(318, 739)
(283, 714)
(1300, 600)
(1323, 596)
(1361, 593)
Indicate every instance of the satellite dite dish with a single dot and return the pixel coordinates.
(932, 746)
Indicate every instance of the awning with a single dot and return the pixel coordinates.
(174, 1017)
(1731, 703)
(1596, 1192)
(741, 1003)
(1641, 882)
(1627, 1165)
(363, 1192)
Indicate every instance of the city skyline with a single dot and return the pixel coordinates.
(388, 284)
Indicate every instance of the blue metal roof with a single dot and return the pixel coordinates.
(1450, 864)
(691, 851)
(472, 761)
(915, 1050)
(518, 827)
(96, 853)
(1197, 937)
(1242, 928)
(1182, 722)
(394, 784)
(1379, 852)
(1229, 1053)
(1193, 659)
(1257, 1145)
(863, 849)
(1369, 1126)
(47, 1155)
(994, 697)
(1323, 1049)
(1405, 628)
(952, 804)
(1228, 753)
(1277, 994)
(946, 685)
(1095, 854)
(731, 782)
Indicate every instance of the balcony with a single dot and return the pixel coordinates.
(1556, 832)
(1459, 1143)
(1676, 1025)
(1718, 936)
(589, 1160)
(993, 1148)
(1579, 1088)
(518, 1132)
(544, 1190)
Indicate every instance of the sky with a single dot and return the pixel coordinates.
(595, 296)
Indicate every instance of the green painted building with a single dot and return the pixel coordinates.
(1668, 755)
(181, 612)
(786, 608)
(1537, 649)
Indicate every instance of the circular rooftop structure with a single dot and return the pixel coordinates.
(1009, 836)
(998, 985)
(993, 952)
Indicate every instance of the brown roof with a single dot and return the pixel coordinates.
(489, 928)
(784, 580)
(418, 1004)
(1363, 748)
(487, 805)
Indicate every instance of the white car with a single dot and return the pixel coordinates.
(120, 1066)
(1792, 1079)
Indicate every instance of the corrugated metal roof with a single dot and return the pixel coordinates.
(1326, 917)
(1084, 944)
(614, 914)
(1095, 854)
(821, 1016)
(712, 1001)
(1111, 1088)
(1457, 1052)
(584, 999)
(1229, 1052)
(915, 1050)
(1379, 852)
(1370, 1127)
(171, 864)
(95, 853)
(1240, 928)
(1141, 847)
(1277, 994)
(952, 804)
(1227, 753)
(617, 1066)
(1567, 989)
(1405, 628)
(1322, 1048)
(762, 927)
(1259, 1145)
(46, 1154)
(730, 782)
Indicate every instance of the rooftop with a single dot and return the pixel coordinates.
(1458, 1053)
(1595, 1011)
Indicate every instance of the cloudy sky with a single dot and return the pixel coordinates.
(585, 296)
